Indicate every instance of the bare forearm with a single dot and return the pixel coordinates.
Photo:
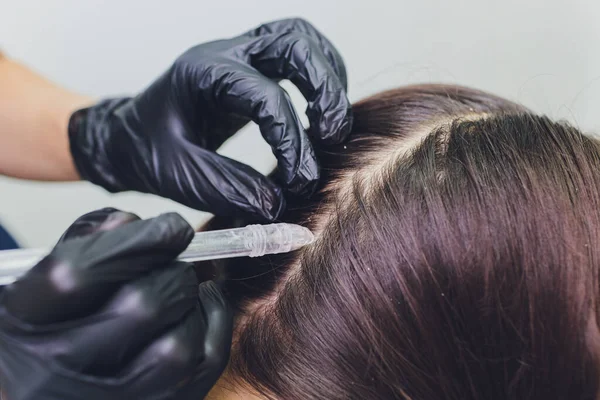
(34, 114)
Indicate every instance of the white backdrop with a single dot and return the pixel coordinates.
(542, 53)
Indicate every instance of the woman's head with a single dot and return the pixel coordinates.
(456, 259)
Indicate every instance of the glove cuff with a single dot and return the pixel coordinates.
(90, 131)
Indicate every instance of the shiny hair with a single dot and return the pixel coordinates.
(465, 267)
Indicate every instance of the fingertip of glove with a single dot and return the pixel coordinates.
(346, 126)
(265, 201)
(304, 188)
(174, 226)
(305, 180)
(108, 210)
(211, 295)
(337, 128)
(274, 209)
(117, 218)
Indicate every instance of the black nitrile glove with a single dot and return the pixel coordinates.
(109, 315)
(163, 141)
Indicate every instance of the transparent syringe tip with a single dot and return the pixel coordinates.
(250, 241)
(277, 238)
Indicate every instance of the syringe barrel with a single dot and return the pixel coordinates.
(251, 241)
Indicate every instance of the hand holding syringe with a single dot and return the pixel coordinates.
(251, 241)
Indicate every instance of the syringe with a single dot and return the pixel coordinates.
(251, 241)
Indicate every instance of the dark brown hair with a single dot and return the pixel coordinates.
(465, 267)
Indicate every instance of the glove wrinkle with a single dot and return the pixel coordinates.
(163, 140)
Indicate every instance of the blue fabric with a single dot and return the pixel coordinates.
(7, 242)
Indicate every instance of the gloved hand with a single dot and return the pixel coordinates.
(109, 315)
(163, 141)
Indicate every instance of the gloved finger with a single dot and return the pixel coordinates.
(300, 25)
(80, 275)
(104, 219)
(297, 57)
(245, 91)
(138, 314)
(216, 347)
(225, 187)
(192, 356)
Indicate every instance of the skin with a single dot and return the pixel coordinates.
(224, 389)
(34, 115)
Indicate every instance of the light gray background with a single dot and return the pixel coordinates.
(542, 53)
